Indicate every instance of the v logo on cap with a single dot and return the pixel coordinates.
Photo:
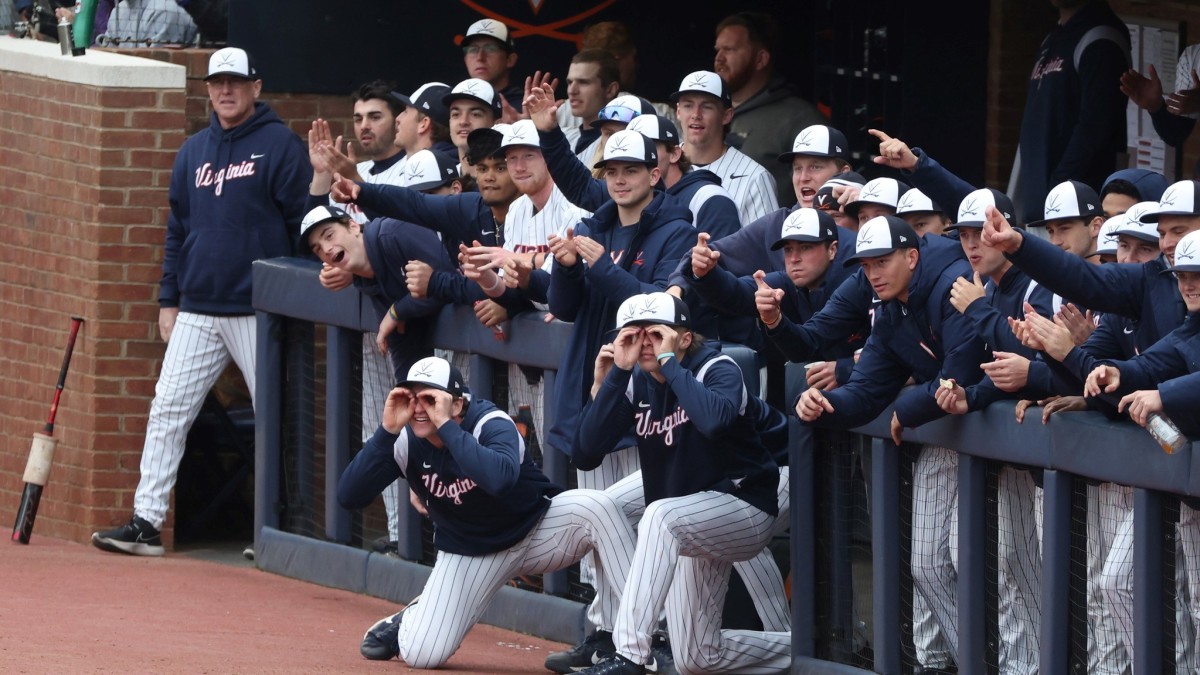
(969, 208)
(1052, 205)
(805, 140)
(620, 145)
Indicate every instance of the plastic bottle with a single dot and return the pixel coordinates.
(1166, 433)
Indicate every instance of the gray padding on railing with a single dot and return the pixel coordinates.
(1084, 443)
(802, 665)
(320, 562)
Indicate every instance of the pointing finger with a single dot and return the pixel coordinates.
(879, 134)
(758, 277)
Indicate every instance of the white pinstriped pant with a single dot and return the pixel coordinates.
(686, 549)
(200, 348)
(461, 587)
(1019, 553)
(935, 556)
(616, 465)
(762, 576)
(377, 382)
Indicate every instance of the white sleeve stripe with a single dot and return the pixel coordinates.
(477, 432)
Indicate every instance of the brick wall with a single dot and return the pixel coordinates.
(83, 212)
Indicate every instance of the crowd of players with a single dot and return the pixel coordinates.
(659, 240)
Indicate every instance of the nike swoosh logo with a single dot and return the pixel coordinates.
(1128, 330)
(652, 667)
(643, 405)
(740, 175)
(253, 156)
(426, 465)
(487, 232)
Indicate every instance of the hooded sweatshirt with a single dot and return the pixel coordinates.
(590, 295)
(237, 195)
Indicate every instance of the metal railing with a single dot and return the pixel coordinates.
(1072, 448)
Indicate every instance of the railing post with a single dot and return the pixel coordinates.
(343, 345)
(268, 422)
(1056, 571)
(972, 564)
(1147, 582)
(885, 545)
(803, 544)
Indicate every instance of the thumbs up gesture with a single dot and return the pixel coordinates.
(964, 292)
(703, 257)
(766, 300)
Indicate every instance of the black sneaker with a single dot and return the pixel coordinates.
(615, 664)
(248, 552)
(586, 654)
(137, 537)
(381, 642)
(662, 662)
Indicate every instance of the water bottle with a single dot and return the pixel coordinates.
(1165, 432)
(64, 36)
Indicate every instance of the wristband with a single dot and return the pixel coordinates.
(392, 313)
(665, 355)
(495, 286)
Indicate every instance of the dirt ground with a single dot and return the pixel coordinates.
(70, 608)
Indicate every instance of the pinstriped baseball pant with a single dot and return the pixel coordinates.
(200, 348)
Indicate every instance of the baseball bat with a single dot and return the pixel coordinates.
(41, 452)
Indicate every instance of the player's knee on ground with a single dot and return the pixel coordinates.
(425, 651)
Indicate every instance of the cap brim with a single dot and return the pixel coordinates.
(421, 187)
(869, 253)
(1153, 217)
(632, 160)
(1136, 234)
(787, 156)
(971, 224)
(230, 73)
(431, 385)
(802, 238)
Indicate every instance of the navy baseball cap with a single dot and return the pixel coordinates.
(319, 215)
(1070, 199)
(881, 191)
(435, 372)
(428, 98)
(806, 225)
(704, 82)
(491, 138)
(477, 90)
(972, 211)
(1150, 185)
(819, 140)
(651, 308)
(880, 236)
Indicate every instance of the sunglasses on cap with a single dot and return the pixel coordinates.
(617, 113)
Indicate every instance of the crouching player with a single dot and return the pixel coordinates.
(495, 515)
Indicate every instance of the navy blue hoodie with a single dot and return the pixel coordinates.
(1173, 368)
(589, 296)
(390, 245)
(925, 338)
(1074, 121)
(692, 431)
(237, 195)
(1143, 292)
(482, 490)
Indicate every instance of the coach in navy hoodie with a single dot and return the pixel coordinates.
(641, 238)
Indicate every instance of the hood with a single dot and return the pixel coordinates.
(777, 89)
(694, 177)
(937, 254)
(654, 216)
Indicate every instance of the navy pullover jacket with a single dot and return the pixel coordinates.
(925, 338)
(1144, 292)
(590, 295)
(237, 195)
(1173, 367)
(693, 433)
(482, 490)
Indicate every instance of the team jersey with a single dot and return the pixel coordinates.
(751, 186)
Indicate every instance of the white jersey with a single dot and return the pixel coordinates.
(526, 231)
(393, 175)
(1189, 60)
(751, 186)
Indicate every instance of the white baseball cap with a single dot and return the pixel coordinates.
(317, 216)
(1187, 253)
(476, 90)
(629, 146)
(880, 236)
(522, 132)
(426, 170)
(819, 140)
(883, 191)
(231, 61)
(704, 82)
(1180, 199)
(490, 28)
(435, 372)
(806, 225)
(647, 308)
(655, 127)
(1133, 225)
(915, 201)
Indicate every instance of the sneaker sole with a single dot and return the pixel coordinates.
(127, 547)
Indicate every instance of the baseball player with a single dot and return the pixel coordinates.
(917, 333)
(593, 79)
(472, 104)
(613, 117)
(920, 170)
(922, 213)
(1141, 293)
(495, 515)
(879, 197)
(237, 195)
(1124, 188)
(375, 111)
(710, 489)
(704, 109)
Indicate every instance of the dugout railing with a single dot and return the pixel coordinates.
(849, 580)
